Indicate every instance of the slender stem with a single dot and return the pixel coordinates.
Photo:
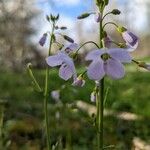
(85, 44)
(1, 125)
(100, 106)
(33, 78)
(110, 23)
(136, 62)
(101, 116)
(106, 15)
(46, 95)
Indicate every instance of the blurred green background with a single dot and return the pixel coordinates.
(127, 123)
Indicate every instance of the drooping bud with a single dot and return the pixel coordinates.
(79, 81)
(98, 17)
(130, 38)
(116, 12)
(67, 38)
(43, 39)
(84, 15)
(63, 28)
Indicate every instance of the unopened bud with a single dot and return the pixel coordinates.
(84, 15)
(63, 28)
(48, 18)
(69, 39)
(116, 12)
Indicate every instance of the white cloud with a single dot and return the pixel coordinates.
(67, 2)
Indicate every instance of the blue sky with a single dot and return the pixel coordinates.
(71, 9)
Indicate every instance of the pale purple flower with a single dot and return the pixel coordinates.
(70, 48)
(107, 62)
(43, 39)
(98, 17)
(93, 96)
(67, 68)
(55, 95)
(131, 40)
(79, 81)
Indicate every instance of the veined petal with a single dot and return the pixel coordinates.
(94, 54)
(55, 60)
(70, 48)
(131, 39)
(69, 62)
(120, 54)
(65, 72)
(96, 70)
(114, 69)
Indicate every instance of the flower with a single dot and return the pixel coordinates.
(79, 81)
(43, 39)
(131, 40)
(67, 69)
(93, 96)
(55, 95)
(70, 48)
(107, 62)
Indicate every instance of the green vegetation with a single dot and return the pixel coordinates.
(70, 127)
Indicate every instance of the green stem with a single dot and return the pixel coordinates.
(100, 106)
(110, 23)
(85, 44)
(46, 94)
(1, 125)
(101, 116)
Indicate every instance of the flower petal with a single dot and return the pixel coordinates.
(94, 54)
(55, 60)
(70, 48)
(131, 39)
(96, 70)
(69, 62)
(120, 54)
(65, 72)
(114, 69)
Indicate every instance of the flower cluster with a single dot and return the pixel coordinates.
(105, 61)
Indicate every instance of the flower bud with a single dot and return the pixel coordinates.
(48, 18)
(98, 17)
(63, 28)
(43, 39)
(106, 2)
(93, 96)
(116, 12)
(79, 81)
(67, 38)
(84, 15)
(55, 95)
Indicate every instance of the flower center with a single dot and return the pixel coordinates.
(105, 56)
